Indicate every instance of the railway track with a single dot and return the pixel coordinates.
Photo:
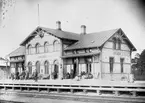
(73, 97)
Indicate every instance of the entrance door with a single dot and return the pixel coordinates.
(88, 65)
(56, 69)
(75, 71)
(88, 68)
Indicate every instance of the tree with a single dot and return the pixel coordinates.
(142, 62)
(139, 62)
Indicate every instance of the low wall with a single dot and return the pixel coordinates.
(115, 76)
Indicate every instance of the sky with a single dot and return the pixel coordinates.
(97, 15)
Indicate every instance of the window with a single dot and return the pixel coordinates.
(46, 47)
(37, 48)
(111, 62)
(119, 44)
(56, 45)
(121, 64)
(114, 43)
(38, 66)
(29, 48)
(30, 67)
(46, 66)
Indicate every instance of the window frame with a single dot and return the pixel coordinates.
(121, 65)
(114, 43)
(30, 67)
(119, 44)
(46, 67)
(37, 48)
(38, 68)
(29, 49)
(56, 43)
(111, 64)
(46, 47)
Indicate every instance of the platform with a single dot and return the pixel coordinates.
(74, 82)
(98, 87)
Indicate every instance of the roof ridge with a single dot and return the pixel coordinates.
(58, 30)
(96, 39)
(104, 31)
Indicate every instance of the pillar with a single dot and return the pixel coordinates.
(77, 65)
(60, 72)
(93, 67)
(101, 65)
(61, 60)
(50, 70)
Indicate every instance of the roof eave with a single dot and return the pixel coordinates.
(133, 47)
(30, 35)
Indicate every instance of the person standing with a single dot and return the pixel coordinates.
(35, 75)
(27, 75)
(17, 75)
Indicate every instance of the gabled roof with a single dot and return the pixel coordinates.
(18, 52)
(95, 39)
(58, 33)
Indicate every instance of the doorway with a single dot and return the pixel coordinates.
(88, 65)
(56, 69)
(75, 69)
(89, 68)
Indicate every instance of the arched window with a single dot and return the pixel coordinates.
(38, 66)
(30, 67)
(29, 48)
(37, 48)
(46, 47)
(46, 66)
(56, 45)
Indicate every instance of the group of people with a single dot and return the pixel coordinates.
(24, 75)
(82, 75)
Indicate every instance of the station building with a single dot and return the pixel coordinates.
(105, 54)
(4, 68)
(17, 60)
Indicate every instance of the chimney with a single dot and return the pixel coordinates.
(83, 29)
(58, 25)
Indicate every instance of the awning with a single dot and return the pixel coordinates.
(80, 55)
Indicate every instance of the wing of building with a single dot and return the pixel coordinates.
(62, 54)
